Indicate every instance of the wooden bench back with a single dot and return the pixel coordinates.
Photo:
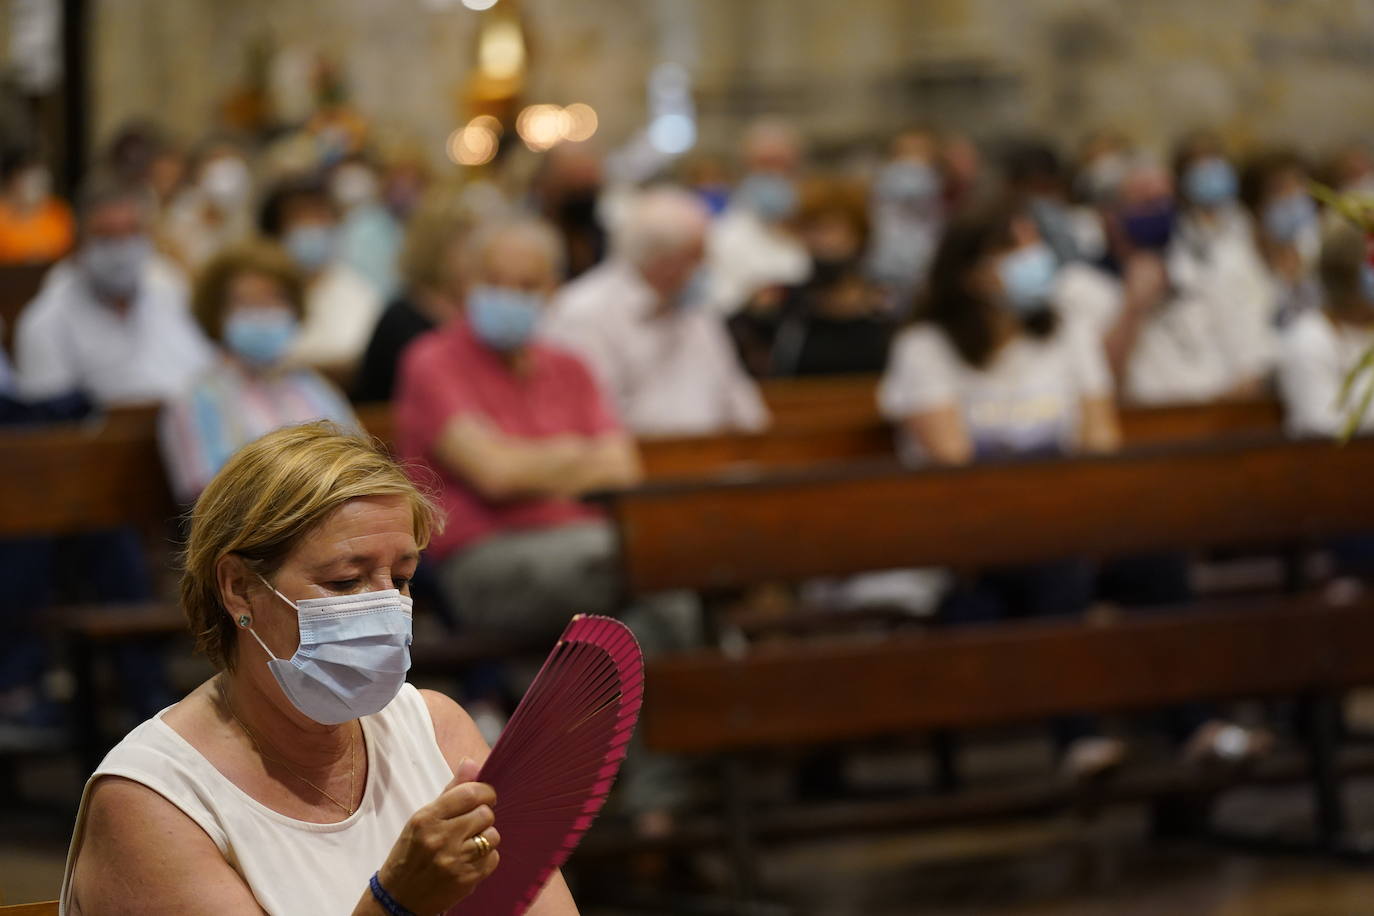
(788, 527)
(19, 283)
(810, 693)
(49, 908)
(82, 477)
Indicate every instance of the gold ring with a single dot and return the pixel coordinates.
(483, 846)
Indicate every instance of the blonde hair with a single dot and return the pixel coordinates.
(272, 494)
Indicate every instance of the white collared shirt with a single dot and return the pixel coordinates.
(746, 255)
(670, 373)
(68, 340)
(341, 311)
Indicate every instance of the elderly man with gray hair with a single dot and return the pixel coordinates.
(638, 321)
(112, 320)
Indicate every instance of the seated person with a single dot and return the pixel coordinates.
(513, 430)
(837, 322)
(248, 300)
(1211, 335)
(35, 226)
(753, 245)
(1319, 348)
(908, 213)
(341, 307)
(111, 320)
(988, 369)
(306, 776)
(369, 237)
(431, 267)
(1287, 229)
(637, 320)
(214, 211)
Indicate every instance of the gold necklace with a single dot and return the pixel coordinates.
(257, 745)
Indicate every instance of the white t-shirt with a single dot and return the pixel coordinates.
(341, 311)
(1027, 399)
(746, 255)
(68, 340)
(1219, 330)
(673, 374)
(1315, 355)
(1088, 296)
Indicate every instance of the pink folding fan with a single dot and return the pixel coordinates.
(554, 764)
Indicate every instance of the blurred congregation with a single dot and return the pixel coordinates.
(545, 320)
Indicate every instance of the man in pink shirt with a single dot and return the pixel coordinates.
(512, 431)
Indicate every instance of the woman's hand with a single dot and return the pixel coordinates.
(434, 863)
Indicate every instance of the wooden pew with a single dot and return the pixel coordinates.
(820, 402)
(789, 527)
(831, 436)
(784, 527)
(773, 698)
(19, 283)
(89, 476)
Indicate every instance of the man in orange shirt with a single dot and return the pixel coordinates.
(35, 226)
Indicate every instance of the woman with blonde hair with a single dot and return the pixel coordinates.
(306, 776)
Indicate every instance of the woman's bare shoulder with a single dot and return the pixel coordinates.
(141, 853)
(454, 730)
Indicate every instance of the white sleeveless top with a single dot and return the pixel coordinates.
(291, 866)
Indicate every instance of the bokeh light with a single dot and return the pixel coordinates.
(476, 142)
(543, 127)
(501, 50)
(582, 122)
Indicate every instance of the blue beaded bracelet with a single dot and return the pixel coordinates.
(387, 901)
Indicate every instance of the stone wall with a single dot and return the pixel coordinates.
(1299, 71)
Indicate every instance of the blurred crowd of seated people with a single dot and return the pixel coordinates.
(528, 322)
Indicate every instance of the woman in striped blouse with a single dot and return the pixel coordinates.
(249, 300)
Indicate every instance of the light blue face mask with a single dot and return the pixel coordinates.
(1210, 182)
(353, 655)
(907, 182)
(1027, 276)
(1286, 218)
(692, 292)
(311, 246)
(260, 336)
(772, 197)
(504, 319)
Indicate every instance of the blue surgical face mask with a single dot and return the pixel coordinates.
(504, 319)
(907, 182)
(692, 292)
(310, 246)
(771, 196)
(353, 655)
(114, 267)
(1210, 182)
(1027, 276)
(1286, 218)
(260, 336)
